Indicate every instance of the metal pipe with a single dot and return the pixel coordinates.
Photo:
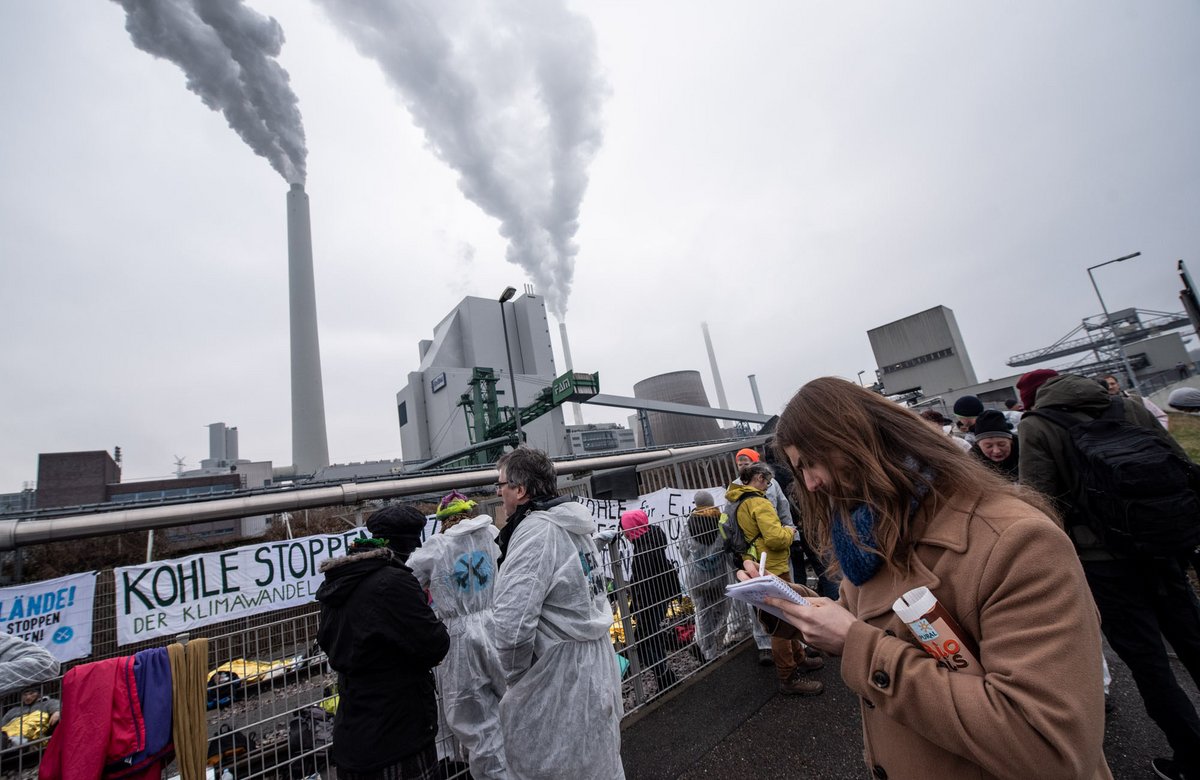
(22, 532)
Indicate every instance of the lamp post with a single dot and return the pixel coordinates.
(1111, 328)
(860, 373)
(505, 297)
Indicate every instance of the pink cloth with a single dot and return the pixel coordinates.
(101, 721)
(634, 523)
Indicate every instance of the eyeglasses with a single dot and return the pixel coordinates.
(502, 484)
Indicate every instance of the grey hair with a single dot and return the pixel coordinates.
(703, 498)
(531, 469)
(749, 472)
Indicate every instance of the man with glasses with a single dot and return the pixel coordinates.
(561, 714)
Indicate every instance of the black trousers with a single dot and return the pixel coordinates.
(1140, 602)
(652, 640)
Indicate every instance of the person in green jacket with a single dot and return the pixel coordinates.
(760, 524)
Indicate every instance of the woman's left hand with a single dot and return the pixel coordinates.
(824, 623)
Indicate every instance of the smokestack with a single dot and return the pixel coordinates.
(754, 389)
(310, 446)
(216, 442)
(576, 409)
(716, 372)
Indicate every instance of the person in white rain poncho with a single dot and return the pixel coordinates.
(458, 567)
(562, 712)
(706, 573)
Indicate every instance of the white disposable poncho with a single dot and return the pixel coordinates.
(705, 575)
(459, 569)
(561, 716)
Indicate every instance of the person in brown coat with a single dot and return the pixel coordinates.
(899, 507)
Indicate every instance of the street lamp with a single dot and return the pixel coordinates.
(860, 373)
(1111, 328)
(505, 297)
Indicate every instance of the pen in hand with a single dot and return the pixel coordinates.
(762, 564)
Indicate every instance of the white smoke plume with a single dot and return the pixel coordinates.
(508, 93)
(227, 51)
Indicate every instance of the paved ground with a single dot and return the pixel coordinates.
(715, 727)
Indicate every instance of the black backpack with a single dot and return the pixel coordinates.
(1132, 490)
(735, 542)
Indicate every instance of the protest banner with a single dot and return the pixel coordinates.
(163, 598)
(667, 508)
(56, 614)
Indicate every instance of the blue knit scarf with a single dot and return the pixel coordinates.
(859, 564)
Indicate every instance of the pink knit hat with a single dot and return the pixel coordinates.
(634, 523)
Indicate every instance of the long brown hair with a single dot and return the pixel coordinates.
(875, 451)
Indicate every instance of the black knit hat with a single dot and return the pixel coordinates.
(992, 423)
(402, 526)
(968, 406)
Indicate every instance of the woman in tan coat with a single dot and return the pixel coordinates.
(898, 507)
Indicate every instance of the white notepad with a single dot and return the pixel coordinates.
(755, 591)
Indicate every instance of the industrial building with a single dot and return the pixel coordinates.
(923, 359)
(924, 351)
(471, 336)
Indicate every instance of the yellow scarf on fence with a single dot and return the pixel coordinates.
(189, 671)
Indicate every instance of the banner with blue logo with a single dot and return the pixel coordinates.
(56, 614)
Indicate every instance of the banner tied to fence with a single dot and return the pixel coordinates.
(56, 614)
(163, 598)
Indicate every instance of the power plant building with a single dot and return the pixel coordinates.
(432, 424)
(924, 350)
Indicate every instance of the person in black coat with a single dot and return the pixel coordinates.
(383, 640)
(653, 586)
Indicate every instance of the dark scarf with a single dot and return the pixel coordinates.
(523, 511)
(859, 564)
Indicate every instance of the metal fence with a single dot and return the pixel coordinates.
(272, 694)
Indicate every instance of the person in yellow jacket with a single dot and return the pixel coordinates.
(760, 524)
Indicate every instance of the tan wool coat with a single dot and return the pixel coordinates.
(1010, 577)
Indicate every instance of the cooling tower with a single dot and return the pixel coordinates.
(310, 447)
(681, 387)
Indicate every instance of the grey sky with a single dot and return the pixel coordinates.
(793, 173)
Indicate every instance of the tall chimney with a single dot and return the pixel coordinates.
(716, 372)
(310, 446)
(576, 409)
(754, 389)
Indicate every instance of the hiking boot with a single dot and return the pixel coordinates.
(809, 664)
(795, 687)
(1169, 769)
(765, 658)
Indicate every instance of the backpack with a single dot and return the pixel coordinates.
(309, 731)
(1133, 490)
(735, 543)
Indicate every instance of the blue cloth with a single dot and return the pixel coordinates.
(152, 674)
(858, 564)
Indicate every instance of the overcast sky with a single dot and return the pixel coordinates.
(792, 173)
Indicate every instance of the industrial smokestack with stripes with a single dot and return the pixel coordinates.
(310, 445)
